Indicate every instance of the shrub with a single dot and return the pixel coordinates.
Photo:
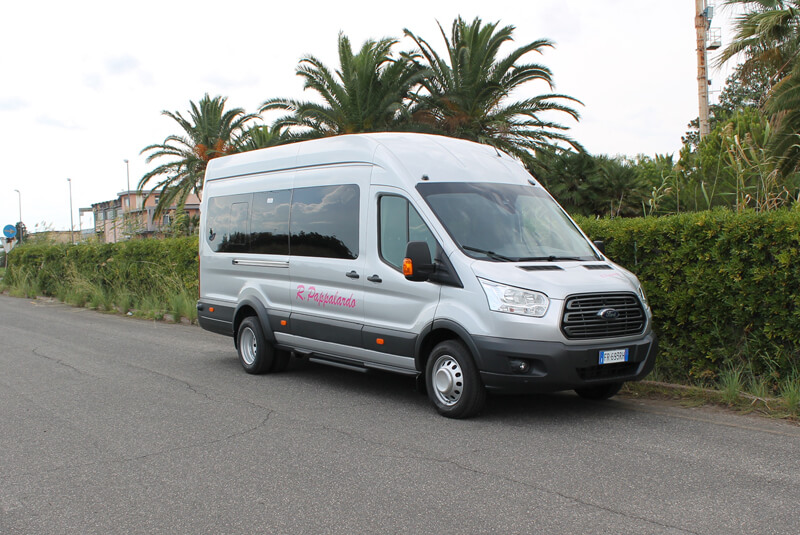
(724, 288)
(109, 276)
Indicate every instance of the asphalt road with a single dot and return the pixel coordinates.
(116, 425)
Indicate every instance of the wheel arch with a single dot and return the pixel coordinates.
(439, 331)
(252, 307)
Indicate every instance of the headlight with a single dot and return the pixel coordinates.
(644, 297)
(513, 300)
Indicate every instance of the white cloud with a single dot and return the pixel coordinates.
(121, 64)
(13, 104)
(54, 122)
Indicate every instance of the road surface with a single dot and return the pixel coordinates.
(115, 425)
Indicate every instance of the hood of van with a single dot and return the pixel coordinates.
(558, 280)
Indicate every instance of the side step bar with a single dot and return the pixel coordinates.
(355, 366)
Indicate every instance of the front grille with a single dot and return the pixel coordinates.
(607, 371)
(582, 322)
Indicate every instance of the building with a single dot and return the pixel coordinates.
(130, 215)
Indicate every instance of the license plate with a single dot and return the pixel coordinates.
(613, 356)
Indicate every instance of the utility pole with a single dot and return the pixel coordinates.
(702, 21)
(71, 224)
(128, 175)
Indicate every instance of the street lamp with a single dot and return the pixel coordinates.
(128, 175)
(71, 224)
(20, 205)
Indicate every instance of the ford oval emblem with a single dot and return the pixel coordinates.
(608, 314)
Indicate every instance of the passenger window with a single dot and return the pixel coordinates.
(269, 224)
(227, 222)
(238, 235)
(324, 221)
(399, 223)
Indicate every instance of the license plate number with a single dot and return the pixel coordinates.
(613, 356)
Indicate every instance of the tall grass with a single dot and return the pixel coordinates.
(109, 288)
(790, 392)
(730, 381)
(25, 284)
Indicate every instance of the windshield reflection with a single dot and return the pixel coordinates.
(506, 222)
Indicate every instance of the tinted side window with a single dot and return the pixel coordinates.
(324, 221)
(227, 223)
(269, 224)
(399, 224)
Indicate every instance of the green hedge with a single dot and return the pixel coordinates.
(724, 288)
(137, 266)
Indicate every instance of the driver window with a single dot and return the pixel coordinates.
(399, 223)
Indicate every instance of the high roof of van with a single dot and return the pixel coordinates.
(409, 155)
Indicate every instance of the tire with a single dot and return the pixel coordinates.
(600, 391)
(452, 381)
(255, 354)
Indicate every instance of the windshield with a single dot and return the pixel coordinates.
(505, 222)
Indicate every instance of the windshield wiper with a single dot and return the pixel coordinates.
(550, 258)
(490, 254)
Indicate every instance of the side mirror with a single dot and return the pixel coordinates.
(601, 246)
(417, 265)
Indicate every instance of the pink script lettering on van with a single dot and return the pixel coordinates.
(324, 298)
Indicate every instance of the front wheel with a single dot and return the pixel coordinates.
(453, 382)
(255, 354)
(600, 391)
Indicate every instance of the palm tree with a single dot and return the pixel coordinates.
(571, 177)
(467, 91)
(210, 131)
(368, 93)
(262, 136)
(767, 33)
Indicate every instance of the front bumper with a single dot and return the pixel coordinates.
(553, 366)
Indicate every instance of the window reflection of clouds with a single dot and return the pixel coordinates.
(227, 222)
(270, 222)
(324, 221)
(512, 220)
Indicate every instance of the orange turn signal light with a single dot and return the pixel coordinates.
(408, 267)
(211, 309)
(379, 341)
(283, 323)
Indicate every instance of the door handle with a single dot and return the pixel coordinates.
(374, 278)
(352, 275)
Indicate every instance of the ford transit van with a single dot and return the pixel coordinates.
(423, 255)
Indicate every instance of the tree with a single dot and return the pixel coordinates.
(571, 177)
(768, 34)
(209, 131)
(367, 93)
(745, 88)
(734, 167)
(261, 137)
(467, 91)
(663, 184)
(621, 186)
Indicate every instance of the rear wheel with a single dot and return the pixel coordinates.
(600, 391)
(452, 380)
(255, 354)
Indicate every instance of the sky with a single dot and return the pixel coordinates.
(83, 83)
